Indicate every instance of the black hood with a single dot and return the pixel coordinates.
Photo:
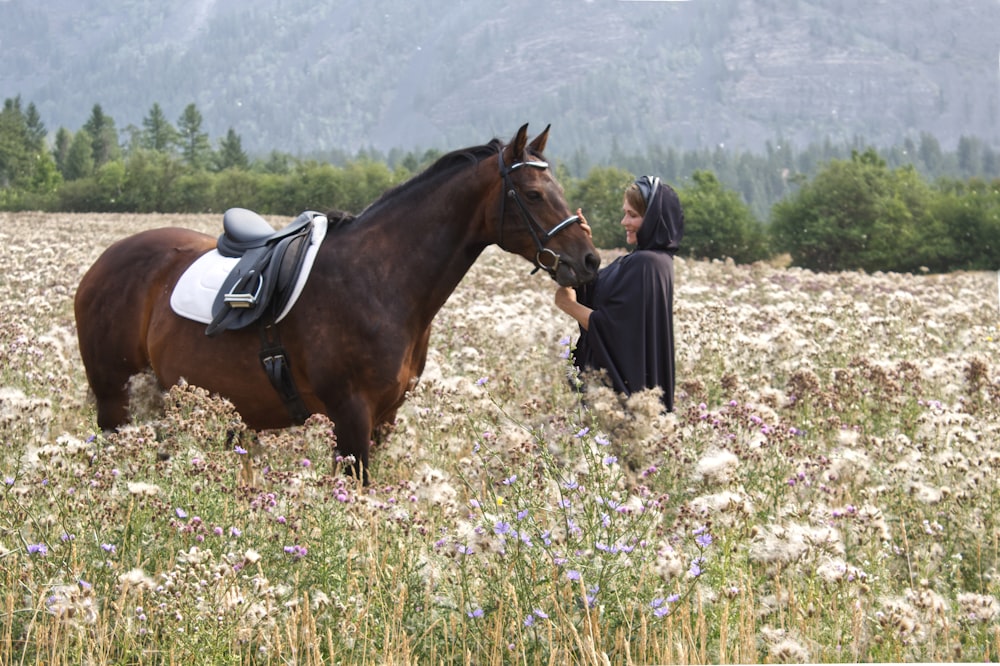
(663, 225)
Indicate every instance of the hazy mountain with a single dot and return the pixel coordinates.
(313, 75)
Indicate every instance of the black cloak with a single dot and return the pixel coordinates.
(631, 328)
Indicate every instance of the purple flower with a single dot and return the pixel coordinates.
(501, 527)
(573, 574)
(240, 450)
(38, 549)
(610, 460)
(510, 480)
(481, 381)
(109, 547)
(181, 513)
(703, 540)
(696, 569)
(477, 612)
(582, 433)
(297, 551)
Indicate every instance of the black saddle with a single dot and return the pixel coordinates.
(270, 261)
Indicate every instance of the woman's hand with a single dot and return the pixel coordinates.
(565, 297)
(566, 301)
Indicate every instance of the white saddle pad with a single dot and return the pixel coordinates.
(195, 292)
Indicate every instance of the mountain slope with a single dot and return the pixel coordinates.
(308, 75)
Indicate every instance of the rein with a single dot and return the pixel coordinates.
(540, 236)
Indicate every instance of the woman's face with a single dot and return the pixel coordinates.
(631, 220)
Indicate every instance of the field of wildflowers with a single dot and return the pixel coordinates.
(826, 491)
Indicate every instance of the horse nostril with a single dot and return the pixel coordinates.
(592, 262)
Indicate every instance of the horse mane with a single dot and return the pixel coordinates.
(339, 219)
(445, 166)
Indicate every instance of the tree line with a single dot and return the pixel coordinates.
(828, 208)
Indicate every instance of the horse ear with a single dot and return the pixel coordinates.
(538, 145)
(520, 141)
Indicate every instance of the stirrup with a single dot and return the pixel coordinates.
(246, 299)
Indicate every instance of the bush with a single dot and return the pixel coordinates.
(717, 223)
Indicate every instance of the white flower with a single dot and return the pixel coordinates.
(717, 466)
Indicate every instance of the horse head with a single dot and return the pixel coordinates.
(534, 218)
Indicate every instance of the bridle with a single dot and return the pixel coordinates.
(540, 236)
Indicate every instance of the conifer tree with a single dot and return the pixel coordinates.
(196, 151)
(157, 132)
(230, 154)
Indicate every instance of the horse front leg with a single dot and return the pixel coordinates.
(352, 424)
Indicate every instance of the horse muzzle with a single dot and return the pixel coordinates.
(568, 272)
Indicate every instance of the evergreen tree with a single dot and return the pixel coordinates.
(196, 151)
(80, 158)
(230, 154)
(103, 136)
(35, 129)
(157, 132)
(25, 164)
(60, 152)
(970, 161)
(930, 154)
(15, 152)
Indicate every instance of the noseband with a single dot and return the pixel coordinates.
(540, 235)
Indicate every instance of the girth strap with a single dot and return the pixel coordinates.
(274, 358)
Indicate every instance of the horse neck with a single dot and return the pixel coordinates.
(432, 240)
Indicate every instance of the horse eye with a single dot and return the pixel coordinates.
(533, 195)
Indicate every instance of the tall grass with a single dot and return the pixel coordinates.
(827, 489)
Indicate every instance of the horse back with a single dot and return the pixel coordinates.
(129, 268)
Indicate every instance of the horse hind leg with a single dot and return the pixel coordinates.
(113, 398)
(112, 405)
(111, 382)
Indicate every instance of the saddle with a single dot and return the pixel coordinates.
(264, 278)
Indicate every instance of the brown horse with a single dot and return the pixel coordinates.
(357, 337)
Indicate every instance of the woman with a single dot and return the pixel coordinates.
(626, 314)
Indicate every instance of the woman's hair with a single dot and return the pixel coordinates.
(633, 195)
